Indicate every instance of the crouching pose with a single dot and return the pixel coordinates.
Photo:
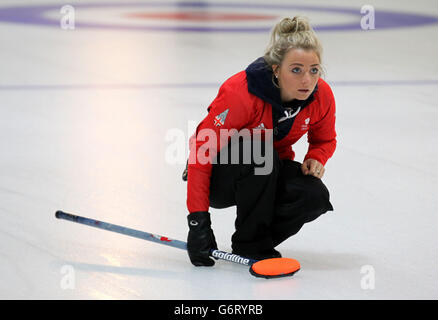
(269, 106)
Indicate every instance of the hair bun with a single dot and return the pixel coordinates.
(297, 24)
(290, 34)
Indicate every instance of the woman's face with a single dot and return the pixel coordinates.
(298, 74)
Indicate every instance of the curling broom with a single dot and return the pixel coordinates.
(267, 268)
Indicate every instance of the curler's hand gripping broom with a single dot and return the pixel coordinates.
(268, 268)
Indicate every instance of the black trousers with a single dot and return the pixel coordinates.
(270, 207)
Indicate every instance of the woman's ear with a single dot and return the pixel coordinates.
(274, 70)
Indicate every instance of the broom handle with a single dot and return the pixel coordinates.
(218, 254)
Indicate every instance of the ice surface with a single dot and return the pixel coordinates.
(84, 117)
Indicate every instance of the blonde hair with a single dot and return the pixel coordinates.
(289, 34)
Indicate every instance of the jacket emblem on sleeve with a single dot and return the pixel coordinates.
(219, 120)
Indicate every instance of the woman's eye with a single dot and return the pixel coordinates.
(296, 70)
(314, 70)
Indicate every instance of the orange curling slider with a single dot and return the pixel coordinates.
(274, 268)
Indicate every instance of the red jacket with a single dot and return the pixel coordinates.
(249, 100)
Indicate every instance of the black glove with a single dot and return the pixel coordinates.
(200, 239)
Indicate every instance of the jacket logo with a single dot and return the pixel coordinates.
(306, 124)
(261, 126)
(289, 114)
(219, 120)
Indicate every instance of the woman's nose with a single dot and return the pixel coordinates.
(306, 78)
